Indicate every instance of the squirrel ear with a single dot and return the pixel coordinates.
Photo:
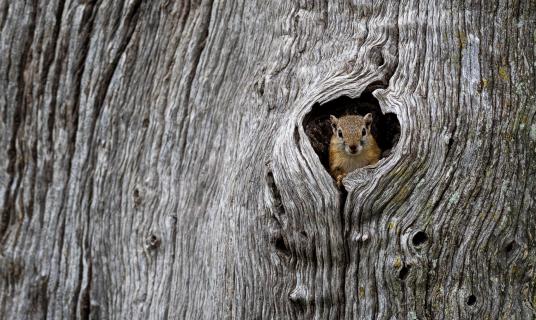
(368, 118)
(334, 121)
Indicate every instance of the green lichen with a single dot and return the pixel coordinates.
(485, 83)
(533, 132)
(454, 198)
(463, 39)
(397, 263)
(503, 73)
(361, 292)
(534, 298)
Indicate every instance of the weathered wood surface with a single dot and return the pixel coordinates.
(153, 162)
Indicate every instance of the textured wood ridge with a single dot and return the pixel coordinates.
(154, 163)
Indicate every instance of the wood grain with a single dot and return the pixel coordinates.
(154, 162)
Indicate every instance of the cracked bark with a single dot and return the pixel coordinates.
(155, 163)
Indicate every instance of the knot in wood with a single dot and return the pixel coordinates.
(152, 242)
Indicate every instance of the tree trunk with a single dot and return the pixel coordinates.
(155, 164)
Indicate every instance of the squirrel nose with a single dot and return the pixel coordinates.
(353, 147)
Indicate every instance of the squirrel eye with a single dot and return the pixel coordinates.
(340, 133)
(364, 132)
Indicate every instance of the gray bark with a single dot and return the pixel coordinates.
(154, 162)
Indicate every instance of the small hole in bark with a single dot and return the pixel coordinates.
(259, 86)
(299, 298)
(281, 246)
(510, 247)
(278, 204)
(451, 141)
(299, 305)
(152, 242)
(378, 59)
(471, 300)
(145, 123)
(381, 60)
(385, 127)
(403, 273)
(137, 198)
(419, 238)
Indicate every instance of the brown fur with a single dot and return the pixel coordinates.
(341, 161)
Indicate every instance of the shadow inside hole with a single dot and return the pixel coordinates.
(403, 273)
(419, 238)
(385, 127)
(510, 247)
(471, 300)
(281, 246)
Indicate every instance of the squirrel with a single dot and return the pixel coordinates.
(352, 146)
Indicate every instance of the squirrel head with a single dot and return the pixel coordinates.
(351, 132)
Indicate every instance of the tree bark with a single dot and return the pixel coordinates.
(154, 162)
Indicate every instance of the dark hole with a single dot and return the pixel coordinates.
(419, 238)
(145, 123)
(376, 56)
(300, 306)
(385, 127)
(270, 179)
(380, 60)
(153, 241)
(471, 300)
(260, 86)
(275, 192)
(509, 247)
(280, 245)
(137, 198)
(451, 141)
(403, 273)
(303, 233)
(376, 85)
